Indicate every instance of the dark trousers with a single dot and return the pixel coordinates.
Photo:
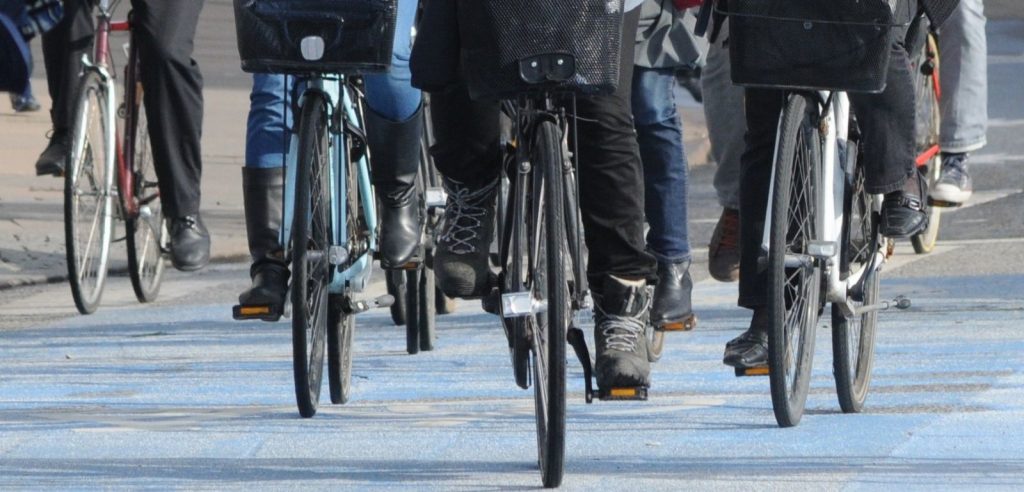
(886, 121)
(164, 31)
(611, 177)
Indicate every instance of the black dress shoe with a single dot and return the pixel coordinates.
(904, 211)
(52, 161)
(190, 243)
(672, 309)
(750, 349)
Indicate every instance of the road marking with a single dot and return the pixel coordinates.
(982, 197)
(1004, 123)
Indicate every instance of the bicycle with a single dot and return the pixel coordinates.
(329, 230)
(924, 44)
(821, 242)
(417, 297)
(101, 157)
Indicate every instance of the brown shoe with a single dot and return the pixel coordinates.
(724, 250)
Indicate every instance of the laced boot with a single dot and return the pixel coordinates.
(672, 309)
(52, 160)
(395, 158)
(262, 191)
(621, 314)
(750, 349)
(462, 260)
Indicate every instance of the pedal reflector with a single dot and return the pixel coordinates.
(613, 394)
(253, 310)
(683, 325)
(752, 371)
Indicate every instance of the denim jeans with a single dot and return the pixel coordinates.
(389, 94)
(660, 137)
(723, 111)
(964, 76)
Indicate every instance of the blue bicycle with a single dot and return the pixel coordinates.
(329, 228)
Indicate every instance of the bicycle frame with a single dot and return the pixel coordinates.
(835, 172)
(347, 276)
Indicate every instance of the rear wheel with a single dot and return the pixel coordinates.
(341, 328)
(87, 195)
(147, 235)
(310, 243)
(928, 121)
(853, 339)
(794, 279)
(550, 284)
(395, 282)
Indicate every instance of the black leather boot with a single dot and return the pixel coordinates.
(395, 162)
(672, 309)
(262, 191)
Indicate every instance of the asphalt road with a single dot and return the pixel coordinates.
(176, 395)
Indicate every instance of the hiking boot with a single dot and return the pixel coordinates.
(621, 315)
(462, 259)
(671, 309)
(190, 243)
(750, 349)
(954, 186)
(724, 249)
(904, 211)
(52, 160)
(262, 191)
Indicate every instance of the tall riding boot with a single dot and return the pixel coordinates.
(262, 191)
(395, 161)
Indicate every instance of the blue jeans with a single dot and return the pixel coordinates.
(390, 95)
(660, 136)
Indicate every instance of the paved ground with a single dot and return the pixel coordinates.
(175, 395)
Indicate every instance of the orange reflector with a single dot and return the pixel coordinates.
(622, 392)
(756, 371)
(253, 310)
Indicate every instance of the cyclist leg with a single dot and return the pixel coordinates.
(723, 111)
(763, 107)
(63, 47)
(660, 140)
(266, 150)
(964, 105)
(612, 207)
(165, 32)
(394, 127)
(467, 153)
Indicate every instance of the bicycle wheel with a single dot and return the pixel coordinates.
(341, 328)
(853, 339)
(551, 284)
(394, 280)
(794, 280)
(147, 234)
(929, 118)
(310, 243)
(88, 199)
(412, 315)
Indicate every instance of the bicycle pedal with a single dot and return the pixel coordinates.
(942, 203)
(751, 371)
(261, 313)
(361, 306)
(636, 393)
(685, 324)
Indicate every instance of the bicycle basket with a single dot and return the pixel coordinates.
(812, 44)
(514, 46)
(315, 36)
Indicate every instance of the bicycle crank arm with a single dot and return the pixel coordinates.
(900, 302)
(362, 306)
(575, 338)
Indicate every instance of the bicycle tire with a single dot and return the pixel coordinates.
(310, 242)
(412, 312)
(87, 175)
(853, 339)
(427, 310)
(146, 234)
(928, 113)
(341, 328)
(793, 292)
(395, 283)
(549, 327)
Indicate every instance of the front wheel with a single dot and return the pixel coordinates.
(794, 278)
(87, 194)
(310, 243)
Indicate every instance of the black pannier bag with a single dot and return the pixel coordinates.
(513, 46)
(315, 36)
(813, 44)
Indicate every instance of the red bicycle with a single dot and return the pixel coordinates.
(110, 173)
